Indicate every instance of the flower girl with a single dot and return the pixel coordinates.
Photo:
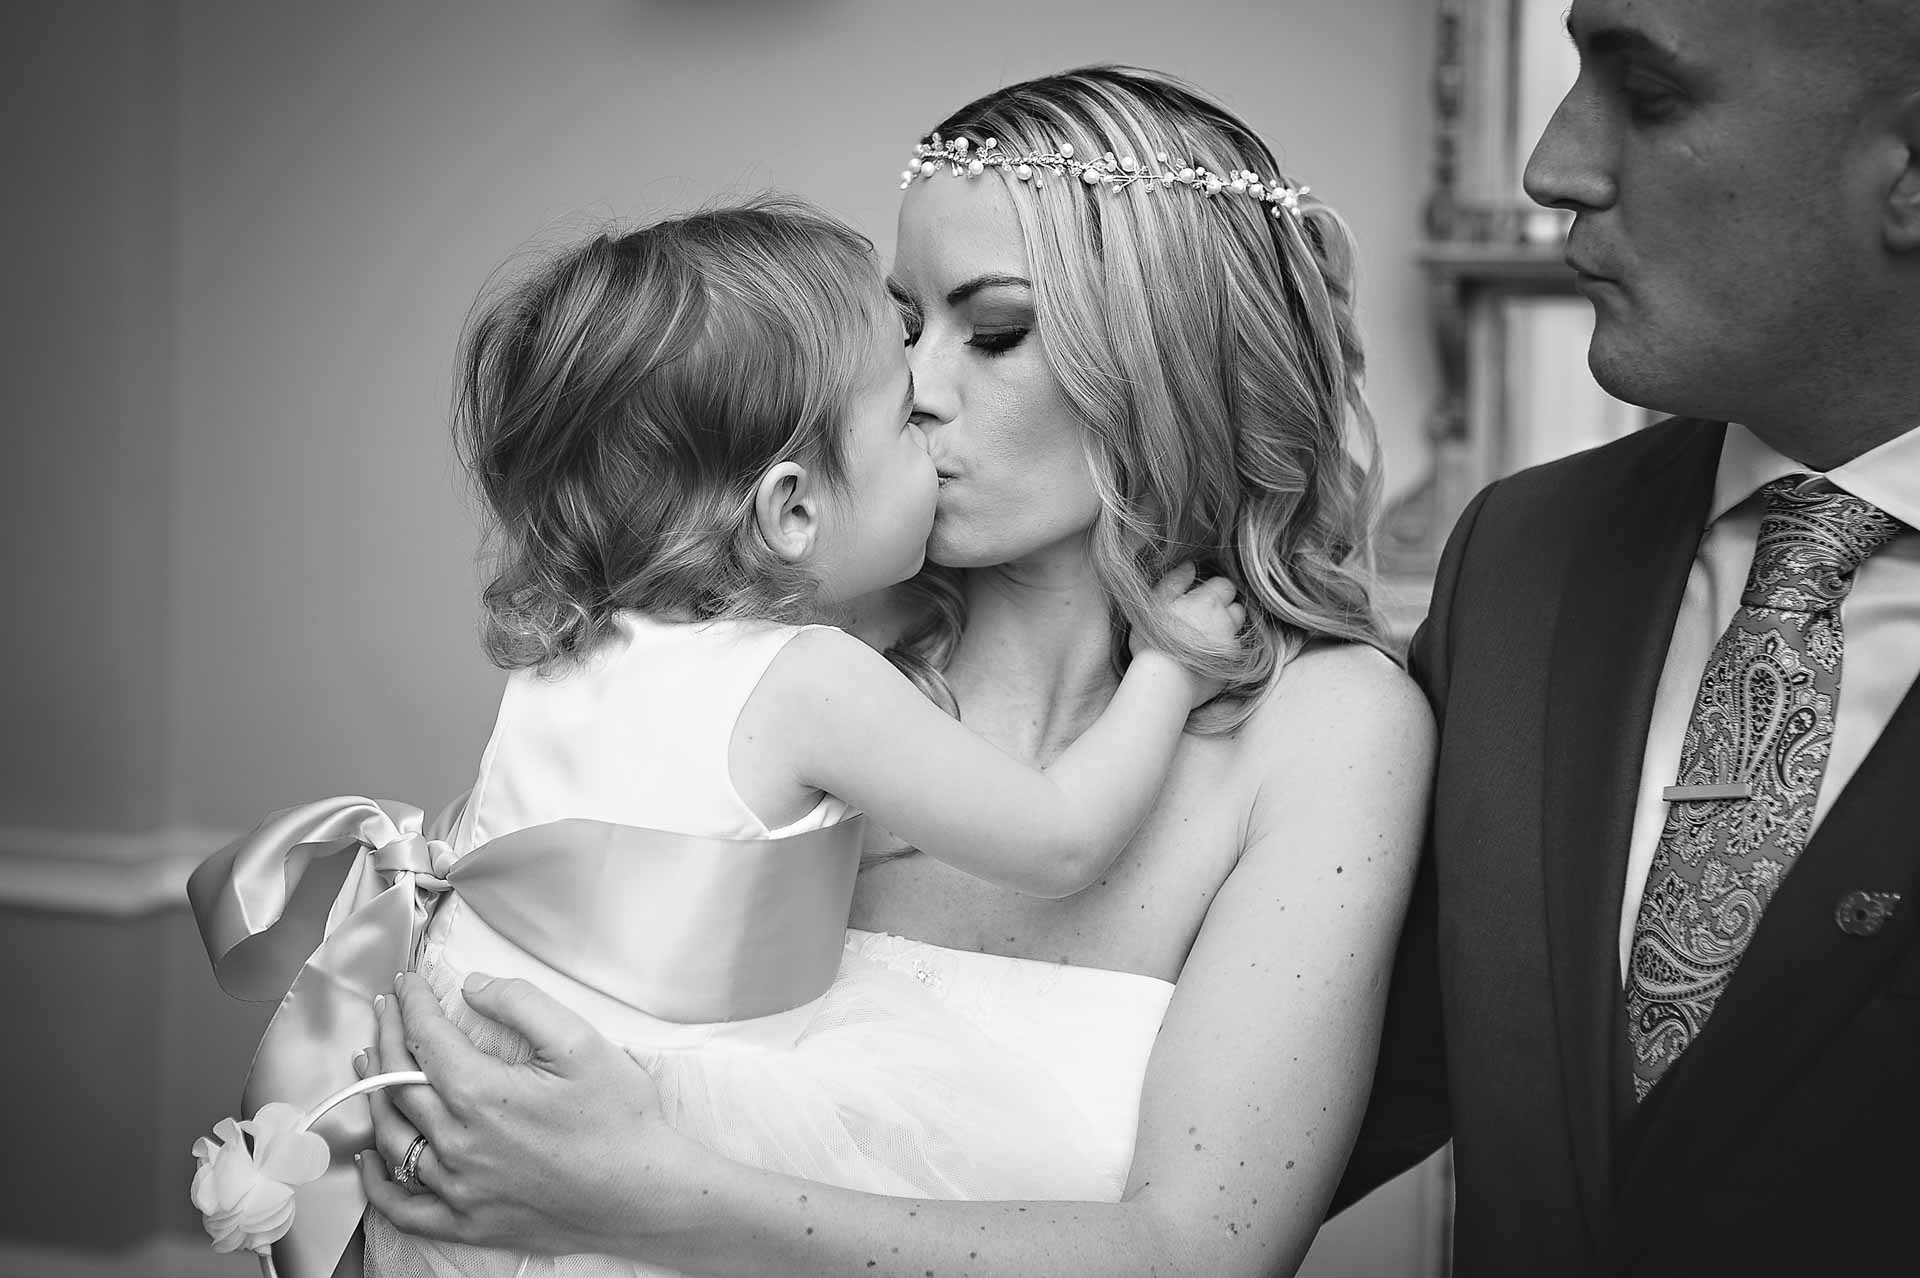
(696, 444)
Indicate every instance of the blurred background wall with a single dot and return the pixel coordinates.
(242, 239)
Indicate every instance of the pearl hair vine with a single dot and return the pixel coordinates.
(963, 159)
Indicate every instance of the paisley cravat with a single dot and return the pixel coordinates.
(1761, 730)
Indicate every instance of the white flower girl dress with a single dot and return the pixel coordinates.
(716, 954)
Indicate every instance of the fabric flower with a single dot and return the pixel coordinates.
(247, 1174)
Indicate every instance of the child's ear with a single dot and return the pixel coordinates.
(786, 506)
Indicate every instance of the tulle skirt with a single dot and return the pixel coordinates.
(874, 1086)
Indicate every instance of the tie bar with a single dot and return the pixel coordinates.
(1706, 793)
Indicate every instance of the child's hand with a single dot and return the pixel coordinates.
(1207, 608)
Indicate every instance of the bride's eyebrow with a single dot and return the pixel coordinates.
(979, 282)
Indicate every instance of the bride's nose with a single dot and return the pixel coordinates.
(933, 389)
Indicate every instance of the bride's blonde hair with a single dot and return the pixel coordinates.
(1211, 351)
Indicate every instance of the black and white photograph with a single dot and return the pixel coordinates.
(1065, 639)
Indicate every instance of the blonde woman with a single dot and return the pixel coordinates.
(1110, 379)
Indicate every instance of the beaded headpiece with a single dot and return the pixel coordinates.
(1116, 173)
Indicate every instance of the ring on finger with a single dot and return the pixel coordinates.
(406, 1172)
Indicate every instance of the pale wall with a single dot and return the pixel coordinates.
(86, 501)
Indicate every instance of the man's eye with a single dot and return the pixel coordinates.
(1649, 101)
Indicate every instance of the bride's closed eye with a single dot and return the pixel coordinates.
(991, 334)
(988, 341)
(998, 340)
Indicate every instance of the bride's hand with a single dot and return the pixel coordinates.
(566, 1152)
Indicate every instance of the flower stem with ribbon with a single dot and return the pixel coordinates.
(248, 1171)
(315, 909)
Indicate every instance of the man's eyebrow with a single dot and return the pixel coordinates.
(980, 282)
(1618, 41)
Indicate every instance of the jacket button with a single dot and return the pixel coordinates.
(1864, 913)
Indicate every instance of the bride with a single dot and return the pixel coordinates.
(1110, 352)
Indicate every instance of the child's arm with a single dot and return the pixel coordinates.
(860, 731)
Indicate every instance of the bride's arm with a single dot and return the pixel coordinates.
(1252, 1096)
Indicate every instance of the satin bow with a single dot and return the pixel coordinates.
(688, 927)
(322, 903)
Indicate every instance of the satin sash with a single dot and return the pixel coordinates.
(683, 927)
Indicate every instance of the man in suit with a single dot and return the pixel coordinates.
(1661, 983)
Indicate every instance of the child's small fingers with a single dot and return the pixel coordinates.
(1177, 579)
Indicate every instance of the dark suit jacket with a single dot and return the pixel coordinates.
(1787, 1138)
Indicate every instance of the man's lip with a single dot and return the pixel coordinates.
(1593, 287)
(1584, 271)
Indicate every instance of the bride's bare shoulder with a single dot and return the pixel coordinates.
(1338, 703)
(1336, 765)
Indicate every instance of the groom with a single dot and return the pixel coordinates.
(1661, 983)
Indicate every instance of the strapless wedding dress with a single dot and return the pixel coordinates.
(1087, 1028)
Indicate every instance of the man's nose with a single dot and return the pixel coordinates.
(1571, 165)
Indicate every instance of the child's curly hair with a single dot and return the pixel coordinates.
(619, 404)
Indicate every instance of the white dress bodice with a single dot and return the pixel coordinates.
(1089, 1028)
(636, 734)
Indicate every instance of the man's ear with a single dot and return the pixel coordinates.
(786, 507)
(1901, 224)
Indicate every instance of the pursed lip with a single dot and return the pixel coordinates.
(1581, 267)
(1589, 283)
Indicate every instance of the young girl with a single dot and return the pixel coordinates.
(693, 441)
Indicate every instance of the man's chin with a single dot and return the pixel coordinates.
(1630, 375)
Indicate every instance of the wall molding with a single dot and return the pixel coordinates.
(115, 875)
(165, 1256)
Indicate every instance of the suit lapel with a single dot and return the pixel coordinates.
(1800, 980)
(1624, 586)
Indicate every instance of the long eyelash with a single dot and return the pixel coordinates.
(999, 341)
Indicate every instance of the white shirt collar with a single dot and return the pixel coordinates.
(1888, 476)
